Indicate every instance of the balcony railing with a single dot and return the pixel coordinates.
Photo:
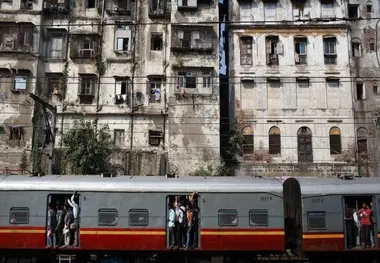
(17, 39)
(56, 6)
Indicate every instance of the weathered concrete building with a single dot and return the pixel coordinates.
(143, 68)
(19, 46)
(290, 87)
(365, 69)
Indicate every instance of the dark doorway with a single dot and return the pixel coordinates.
(292, 215)
(305, 146)
(355, 235)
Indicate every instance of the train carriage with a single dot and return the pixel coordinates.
(129, 213)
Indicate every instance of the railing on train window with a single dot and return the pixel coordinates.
(19, 215)
(316, 220)
(227, 217)
(258, 217)
(107, 217)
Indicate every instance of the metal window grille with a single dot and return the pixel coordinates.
(19, 215)
(107, 217)
(138, 217)
(316, 220)
(258, 217)
(227, 217)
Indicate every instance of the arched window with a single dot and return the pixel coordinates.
(362, 140)
(247, 134)
(369, 7)
(274, 140)
(335, 141)
(360, 89)
(356, 46)
(305, 146)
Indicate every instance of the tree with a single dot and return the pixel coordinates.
(87, 148)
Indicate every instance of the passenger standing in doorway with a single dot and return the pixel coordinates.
(171, 225)
(365, 219)
(76, 214)
(373, 223)
(189, 215)
(68, 221)
(183, 229)
(195, 223)
(51, 225)
(350, 226)
(60, 225)
(178, 224)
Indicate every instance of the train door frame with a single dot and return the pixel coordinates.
(63, 195)
(167, 234)
(371, 197)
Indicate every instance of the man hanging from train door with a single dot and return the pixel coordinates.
(365, 219)
(76, 214)
(51, 225)
(350, 226)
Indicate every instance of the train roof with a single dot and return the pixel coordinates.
(327, 186)
(95, 183)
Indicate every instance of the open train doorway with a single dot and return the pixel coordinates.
(183, 227)
(62, 220)
(292, 215)
(359, 217)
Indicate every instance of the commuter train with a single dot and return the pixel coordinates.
(239, 215)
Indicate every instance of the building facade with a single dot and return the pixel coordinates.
(290, 87)
(147, 69)
(365, 70)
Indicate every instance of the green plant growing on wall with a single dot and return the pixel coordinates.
(100, 65)
(88, 149)
(235, 140)
(63, 83)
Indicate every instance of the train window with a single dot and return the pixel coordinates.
(19, 215)
(107, 217)
(138, 217)
(227, 217)
(316, 220)
(258, 217)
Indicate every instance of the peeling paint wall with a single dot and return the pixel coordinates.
(289, 107)
(17, 107)
(189, 125)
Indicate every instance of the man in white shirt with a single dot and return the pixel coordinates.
(76, 215)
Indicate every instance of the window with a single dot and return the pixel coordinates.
(19, 215)
(258, 217)
(187, 80)
(20, 83)
(248, 144)
(155, 137)
(300, 44)
(53, 82)
(154, 90)
(16, 133)
(138, 217)
(119, 137)
(304, 145)
(362, 136)
(316, 220)
(327, 9)
(273, 48)
(353, 11)
(156, 41)
(183, 4)
(270, 10)
(375, 90)
(56, 45)
(187, 38)
(227, 217)
(329, 46)
(335, 141)
(274, 140)
(90, 3)
(122, 91)
(123, 34)
(332, 82)
(303, 82)
(298, 11)
(246, 12)
(87, 89)
(356, 47)
(207, 80)
(246, 50)
(157, 8)
(83, 46)
(107, 217)
(360, 92)
(369, 7)
(371, 44)
(26, 5)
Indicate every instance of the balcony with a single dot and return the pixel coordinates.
(159, 9)
(193, 38)
(120, 8)
(20, 38)
(56, 6)
(84, 46)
